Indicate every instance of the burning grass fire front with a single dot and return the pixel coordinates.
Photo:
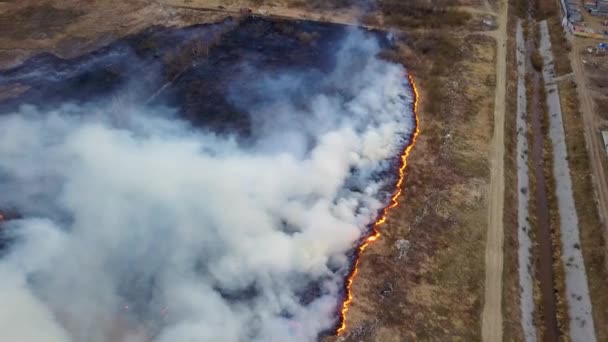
(375, 233)
(344, 118)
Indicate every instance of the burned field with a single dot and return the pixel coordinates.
(198, 63)
(221, 174)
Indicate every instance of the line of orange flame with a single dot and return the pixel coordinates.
(375, 233)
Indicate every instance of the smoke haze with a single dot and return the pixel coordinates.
(148, 229)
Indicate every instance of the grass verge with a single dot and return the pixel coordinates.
(512, 327)
(591, 231)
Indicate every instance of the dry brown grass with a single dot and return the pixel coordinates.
(591, 231)
(537, 61)
(69, 28)
(559, 42)
(320, 4)
(518, 8)
(559, 284)
(421, 13)
(601, 104)
(600, 82)
(370, 19)
(512, 329)
(36, 21)
(544, 9)
(532, 212)
(437, 291)
(432, 55)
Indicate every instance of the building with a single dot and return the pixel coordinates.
(590, 4)
(597, 7)
(572, 9)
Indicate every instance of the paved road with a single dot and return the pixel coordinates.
(491, 325)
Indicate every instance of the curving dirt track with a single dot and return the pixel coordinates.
(491, 326)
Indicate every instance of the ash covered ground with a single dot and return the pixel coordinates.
(197, 184)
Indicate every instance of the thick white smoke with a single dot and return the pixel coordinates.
(151, 230)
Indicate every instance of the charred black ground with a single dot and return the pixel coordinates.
(188, 69)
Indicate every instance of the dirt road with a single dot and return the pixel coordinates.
(491, 326)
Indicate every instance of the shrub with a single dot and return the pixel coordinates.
(537, 61)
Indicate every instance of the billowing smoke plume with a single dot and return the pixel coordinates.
(147, 229)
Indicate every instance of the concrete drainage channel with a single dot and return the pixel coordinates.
(543, 227)
(577, 290)
(530, 163)
(525, 244)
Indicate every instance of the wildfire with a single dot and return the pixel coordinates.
(375, 233)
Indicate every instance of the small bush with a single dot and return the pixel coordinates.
(520, 8)
(537, 61)
(600, 81)
(370, 19)
(602, 107)
(296, 4)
